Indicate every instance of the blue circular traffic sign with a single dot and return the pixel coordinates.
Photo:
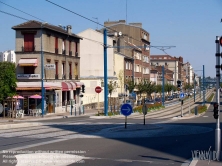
(126, 109)
(182, 95)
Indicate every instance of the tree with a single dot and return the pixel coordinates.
(121, 80)
(149, 88)
(140, 87)
(168, 88)
(7, 80)
(158, 89)
(112, 85)
(131, 85)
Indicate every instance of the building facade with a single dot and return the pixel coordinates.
(8, 56)
(173, 63)
(133, 42)
(59, 48)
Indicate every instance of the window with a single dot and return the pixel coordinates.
(126, 65)
(56, 67)
(28, 42)
(63, 46)
(70, 48)
(29, 70)
(56, 45)
(76, 69)
(70, 69)
(63, 68)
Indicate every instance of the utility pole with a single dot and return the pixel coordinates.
(217, 130)
(163, 85)
(203, 86)
(105, 74)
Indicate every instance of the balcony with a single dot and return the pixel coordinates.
(70, 76)
(28, 49)
(70, 53)
(76, 77)
(64, 52)
(63, 76)
(56, 50)
(56, 76)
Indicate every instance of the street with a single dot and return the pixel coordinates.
(88, 141)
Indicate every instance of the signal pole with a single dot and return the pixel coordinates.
(217, 130)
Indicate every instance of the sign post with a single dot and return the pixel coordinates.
(98, 89)
(144, 112)
(126, 110)
(181, 98)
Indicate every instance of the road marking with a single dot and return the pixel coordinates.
(205, 116)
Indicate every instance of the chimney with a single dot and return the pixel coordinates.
(69, 29)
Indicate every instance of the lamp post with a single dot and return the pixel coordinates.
(42, 74)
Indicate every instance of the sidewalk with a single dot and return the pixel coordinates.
(28, 121)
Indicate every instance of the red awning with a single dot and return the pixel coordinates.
(79, 84)
(66, 86)
(73, 85)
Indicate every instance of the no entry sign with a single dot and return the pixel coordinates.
(98, 89)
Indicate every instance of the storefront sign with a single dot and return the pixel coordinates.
(28, 76)
(50, 66)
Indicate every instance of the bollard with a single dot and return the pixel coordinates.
(195, 110)
(83, 110)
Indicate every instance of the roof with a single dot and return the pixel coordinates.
(33, 24)
(162, 57)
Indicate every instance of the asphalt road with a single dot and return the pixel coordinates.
(84, 141)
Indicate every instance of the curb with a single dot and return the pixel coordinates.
(19, 125)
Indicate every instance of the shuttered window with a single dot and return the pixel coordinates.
(28, 42)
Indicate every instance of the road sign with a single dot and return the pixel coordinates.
(144, 109)
(98, 89)
(182, 95)
(126, 109)
(50, 66)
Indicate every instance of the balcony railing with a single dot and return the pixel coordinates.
(70, 53)
(64, 77)
(70, 76)
(64, 52)
(76, 77)
(28, 49)
(56, 76)
(56, 50)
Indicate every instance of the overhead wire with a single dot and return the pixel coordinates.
(95, 22)
(20, 10)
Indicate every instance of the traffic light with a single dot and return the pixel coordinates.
(178, 84)
(83, 88)
(216, 111)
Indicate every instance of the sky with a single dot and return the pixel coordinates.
(189, 25)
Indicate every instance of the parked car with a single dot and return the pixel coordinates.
(158, 100)
(148, 101)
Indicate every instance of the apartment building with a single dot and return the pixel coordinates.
(59, 48)
(132, 41)
(173, 63)
(8, 56)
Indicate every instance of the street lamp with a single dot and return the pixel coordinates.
(42, 73)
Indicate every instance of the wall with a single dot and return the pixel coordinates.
(92, 53)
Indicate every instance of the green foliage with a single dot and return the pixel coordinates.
(168, 88)
(149, 88)
(131, 85)
(150, 107)
(111, 86)
(158, 88)
(7, 80)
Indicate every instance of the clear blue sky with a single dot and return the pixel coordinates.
(190, 25)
